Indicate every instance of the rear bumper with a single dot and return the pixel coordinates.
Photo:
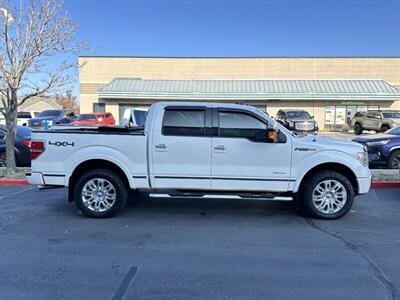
(364, 184)
(35, 178)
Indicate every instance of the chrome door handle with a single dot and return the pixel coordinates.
(220, 147)
(161, 146)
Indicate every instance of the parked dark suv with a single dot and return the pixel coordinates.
(297, 120)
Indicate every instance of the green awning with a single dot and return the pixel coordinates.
(163, 89)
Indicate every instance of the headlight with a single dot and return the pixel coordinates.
(362, 158)
(291, 124)
(378, 143)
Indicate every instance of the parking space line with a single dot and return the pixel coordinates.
(17, 193)
(125, 284)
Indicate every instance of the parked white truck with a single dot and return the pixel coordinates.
(200, 150)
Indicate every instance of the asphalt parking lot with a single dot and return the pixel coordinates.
(197, 249)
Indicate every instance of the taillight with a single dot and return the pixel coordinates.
(37, 148)
(27, 143)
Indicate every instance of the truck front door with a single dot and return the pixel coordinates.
(181, 148)
(239, 163)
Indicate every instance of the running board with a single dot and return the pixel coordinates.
(49, 187)
(225, 196)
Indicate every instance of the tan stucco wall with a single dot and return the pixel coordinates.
(95, 72)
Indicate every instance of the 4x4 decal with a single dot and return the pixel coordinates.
(63, 144)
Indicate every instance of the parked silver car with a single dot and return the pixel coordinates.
(377, 120)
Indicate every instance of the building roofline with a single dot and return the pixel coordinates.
(226, 57)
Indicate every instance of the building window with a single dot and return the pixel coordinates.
(338, 116)
(99, 107)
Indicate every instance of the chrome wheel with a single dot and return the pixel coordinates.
(2, 159)
(98, 195)
(329, 196)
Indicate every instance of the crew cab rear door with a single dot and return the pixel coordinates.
(181, 148)
(239, 163)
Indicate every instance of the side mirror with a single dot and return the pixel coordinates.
(312, 117)
(268, 135)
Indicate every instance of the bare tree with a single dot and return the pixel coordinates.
(30, 36)
(68, 101)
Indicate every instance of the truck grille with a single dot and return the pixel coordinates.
(304, 126)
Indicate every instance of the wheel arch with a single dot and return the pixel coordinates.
(91, 164)
(331, 166)
(392, 149)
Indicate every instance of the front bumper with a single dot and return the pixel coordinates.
(292, 128)
(375, 153)
(364, 184)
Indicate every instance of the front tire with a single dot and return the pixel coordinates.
(100, 193)
(327, 195)
(385, 128)
(358, 129)
(394, 160)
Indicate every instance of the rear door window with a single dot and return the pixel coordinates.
(184, 122)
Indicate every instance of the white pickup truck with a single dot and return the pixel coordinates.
(200, 150)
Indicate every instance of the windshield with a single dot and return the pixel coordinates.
(298, 115)
(87, 117)
(24, 114)
(391, 115)
(50, 113)
(395, 131)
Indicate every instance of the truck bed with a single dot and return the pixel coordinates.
(66, 148)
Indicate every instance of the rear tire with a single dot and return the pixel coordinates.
(385, 128)
(327, 195)
(100, 193)
(358, 129)
(394, 160)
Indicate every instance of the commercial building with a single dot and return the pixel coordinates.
(332, 89)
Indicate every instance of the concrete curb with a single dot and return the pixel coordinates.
(385, 184)
(17, 182)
